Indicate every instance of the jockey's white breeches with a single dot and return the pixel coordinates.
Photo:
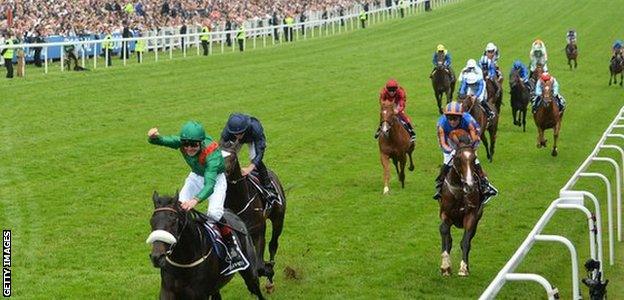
(195, 183)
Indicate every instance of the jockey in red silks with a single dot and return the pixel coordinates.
(393, 92)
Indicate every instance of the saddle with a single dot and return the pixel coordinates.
(254, 179)
(210, 234)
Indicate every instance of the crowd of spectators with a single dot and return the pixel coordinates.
(75, 17)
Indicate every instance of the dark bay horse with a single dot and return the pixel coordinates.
(460, 205)
(520, 97)
(394, 143)
(572, 53)
(472, 106)
(441, 82)
(547, 116)
(189, 267)
(251, 205)
(616, 67)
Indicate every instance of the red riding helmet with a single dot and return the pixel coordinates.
(545, 77)
(392, 83)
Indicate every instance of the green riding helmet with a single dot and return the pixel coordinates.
(192, 131)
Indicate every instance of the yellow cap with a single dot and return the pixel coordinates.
(441, 47)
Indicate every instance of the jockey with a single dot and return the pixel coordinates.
(555, 91)
(246, 129)
(488, 63)
(538, 55)
(455, 118)
(616, 49)
(441, 50)
(571, 36)
(205, 181)
(524, 73)
(473, 85)
(392, 91)
(471, 67)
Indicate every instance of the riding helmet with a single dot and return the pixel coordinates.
(441, 47)
(545, 76)
(238, 123)
(192, 131)
(490, 47)
(471, 64)
(454, 108)
(392, 83)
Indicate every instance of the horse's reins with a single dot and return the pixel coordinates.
(171, 247)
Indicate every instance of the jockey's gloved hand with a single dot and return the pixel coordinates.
(453, 153)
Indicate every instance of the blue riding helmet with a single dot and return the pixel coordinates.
(517, 64)
(238, 123)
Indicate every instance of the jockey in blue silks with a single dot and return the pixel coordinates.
(441, 50)
(523, 72)
(473, 85)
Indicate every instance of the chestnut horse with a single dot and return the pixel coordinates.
(441, 82)
(616, 67)
(547, 116)
(572, 53)
(394, 142)
(535, 75)
(472, 106)
(520, 97)
(251, 205)
(189, 265)
(460, 205)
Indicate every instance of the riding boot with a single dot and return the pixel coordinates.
(432, 71)
(487, 188)
(411, 132)
(451, 74)
(488, 110)
(235, 259)
(535, 102)
(440, 180)
(266, 182)
(378, 132)
(561, 103)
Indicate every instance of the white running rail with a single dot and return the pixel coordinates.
(574, 199)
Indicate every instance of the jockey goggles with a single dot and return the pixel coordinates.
(190, 143)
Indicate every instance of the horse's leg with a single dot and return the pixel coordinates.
(402, 170)
(540, 137)
(514, 111)
(252, 282)
(447, 242)
(524, 113)
(556, 136)
(385, 163)
(493, 131)
(575, 63)
(485, 144)
(470, 229)
(277, 224)
(409, 154)
(621, 77)
(438, 96)
(215, 296)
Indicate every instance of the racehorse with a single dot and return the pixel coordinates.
(441, 82)
(616, 67)
(189, 266)
(478, 113)
(460, 204)
(547, 116)
(572, 53)
(520, 97)
(394, 142)
(244, 198)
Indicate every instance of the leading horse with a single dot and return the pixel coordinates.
(460, 205)
(251, 205)
(189, 266)
(520, 97)
(547, 116)
(572, 54)
(394, 143)
(441, 82)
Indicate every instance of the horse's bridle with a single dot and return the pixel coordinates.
(177, 212)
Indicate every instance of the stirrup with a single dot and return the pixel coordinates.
(437, 196)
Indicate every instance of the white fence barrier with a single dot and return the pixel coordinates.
(574, 199)
(301, 30)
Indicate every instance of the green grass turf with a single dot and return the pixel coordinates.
(77, 173)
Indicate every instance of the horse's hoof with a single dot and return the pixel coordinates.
(539, 145)
(463, 269)
(386, 190)
(269, 287)
(463, 273)
(554, 152)
(446, 272)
